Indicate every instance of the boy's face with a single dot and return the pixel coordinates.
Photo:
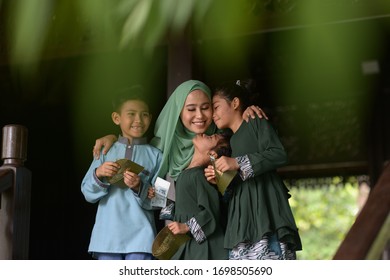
(134, 119)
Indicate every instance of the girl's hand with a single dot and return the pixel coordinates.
(178, 228)
(209, 173)
(252, 111)
(226, 163)
(105, 142)
(107, 169)
(132, 180)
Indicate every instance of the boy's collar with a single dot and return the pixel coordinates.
(135, 141)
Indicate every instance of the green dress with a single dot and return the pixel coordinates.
(196, 198)
(259, 205)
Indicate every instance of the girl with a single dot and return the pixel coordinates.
(197, 206)
(260, 223)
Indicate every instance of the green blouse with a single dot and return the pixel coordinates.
(259, 205)
(196, 198)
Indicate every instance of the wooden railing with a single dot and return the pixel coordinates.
(370, 234)
(15, 194)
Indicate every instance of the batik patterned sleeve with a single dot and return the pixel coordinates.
(196, 230)
(246, 170)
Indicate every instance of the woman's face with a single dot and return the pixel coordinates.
(197, 112)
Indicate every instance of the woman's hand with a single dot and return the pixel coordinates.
(107, 169)
(105, 142)
(132, 180)
(178, 228)
(252, 111)
(209, 173)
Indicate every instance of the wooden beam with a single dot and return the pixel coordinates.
(324, 169)
(368, 224)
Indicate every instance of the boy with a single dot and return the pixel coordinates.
(124, 225)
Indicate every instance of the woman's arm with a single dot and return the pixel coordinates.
(105, 143)
(252, 111)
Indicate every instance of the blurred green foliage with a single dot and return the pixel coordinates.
(34, 26)
(324, 212)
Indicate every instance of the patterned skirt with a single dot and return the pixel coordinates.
(268, 248)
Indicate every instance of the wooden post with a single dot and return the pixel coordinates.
(15, 192)
(179, 71)
(179, 63)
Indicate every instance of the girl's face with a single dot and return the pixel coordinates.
(205, 143)
(223, 112)
(134, 119)
(197, 112)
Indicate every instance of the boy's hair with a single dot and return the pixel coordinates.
(135, 92)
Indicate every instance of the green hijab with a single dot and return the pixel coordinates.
(171, 137)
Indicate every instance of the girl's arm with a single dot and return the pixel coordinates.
(270, 156)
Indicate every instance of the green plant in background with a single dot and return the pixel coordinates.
(324, 210)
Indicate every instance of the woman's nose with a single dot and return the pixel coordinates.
(199, 113)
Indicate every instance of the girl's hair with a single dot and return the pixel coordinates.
(223, 146)
(123, 95)
(245, 90)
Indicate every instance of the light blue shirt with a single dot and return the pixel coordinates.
(121, 224)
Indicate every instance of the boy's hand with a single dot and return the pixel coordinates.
(107, 169)
(132, 180)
